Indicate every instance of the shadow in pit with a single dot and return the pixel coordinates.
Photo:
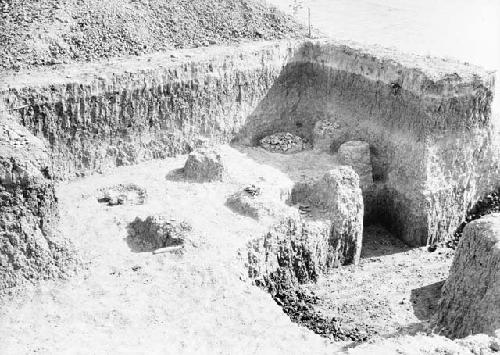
(175, 175)
(425, 300)
(143, 236)
(378, 241)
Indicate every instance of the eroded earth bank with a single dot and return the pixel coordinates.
(312, 214)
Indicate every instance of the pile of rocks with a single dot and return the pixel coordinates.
(123, 194)
(283, 142)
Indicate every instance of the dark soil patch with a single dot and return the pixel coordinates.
(156, 232)
(299, 303)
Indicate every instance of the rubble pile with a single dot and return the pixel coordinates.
(284, 142)
(123, 194)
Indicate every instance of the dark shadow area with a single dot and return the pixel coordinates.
(378, 241)
(176, 175)
(150, 234)
(425, 300)
(490, 203)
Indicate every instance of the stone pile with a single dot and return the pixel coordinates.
(205, 165)
(470, 298)
(123, 194)
(356, 154)
(283, 142)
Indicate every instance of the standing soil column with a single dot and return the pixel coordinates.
(471, 296)
(30, 248)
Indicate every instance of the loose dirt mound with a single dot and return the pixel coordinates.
(47, 32)
(205, 165)
(156, 232)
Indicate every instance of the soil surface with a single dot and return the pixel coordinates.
(393, 291)
(197, 299)
(50, 32)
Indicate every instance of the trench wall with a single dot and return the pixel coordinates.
(434, 141)
(134, 110)
(428, 121)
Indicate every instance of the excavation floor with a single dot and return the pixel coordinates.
(393, 291)
(199, 300)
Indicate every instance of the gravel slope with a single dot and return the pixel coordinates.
(49, 32)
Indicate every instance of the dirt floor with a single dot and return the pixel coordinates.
(198, 299)
(393, 291)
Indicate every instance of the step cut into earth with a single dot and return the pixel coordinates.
(427, 121)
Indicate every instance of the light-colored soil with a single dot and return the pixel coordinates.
(197, 300)
(172, 303)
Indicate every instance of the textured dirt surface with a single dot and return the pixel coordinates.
(49, 32)
(197, 299)
(394, 290)
(180, 302)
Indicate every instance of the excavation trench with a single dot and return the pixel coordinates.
(416, 134)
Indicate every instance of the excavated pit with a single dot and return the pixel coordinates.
(426, 150)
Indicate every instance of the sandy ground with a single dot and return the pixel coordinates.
(193, 302)
(199, 300)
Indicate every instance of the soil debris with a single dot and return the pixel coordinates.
(52, 32)
(156, 232)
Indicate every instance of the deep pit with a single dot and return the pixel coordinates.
(326, 139)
